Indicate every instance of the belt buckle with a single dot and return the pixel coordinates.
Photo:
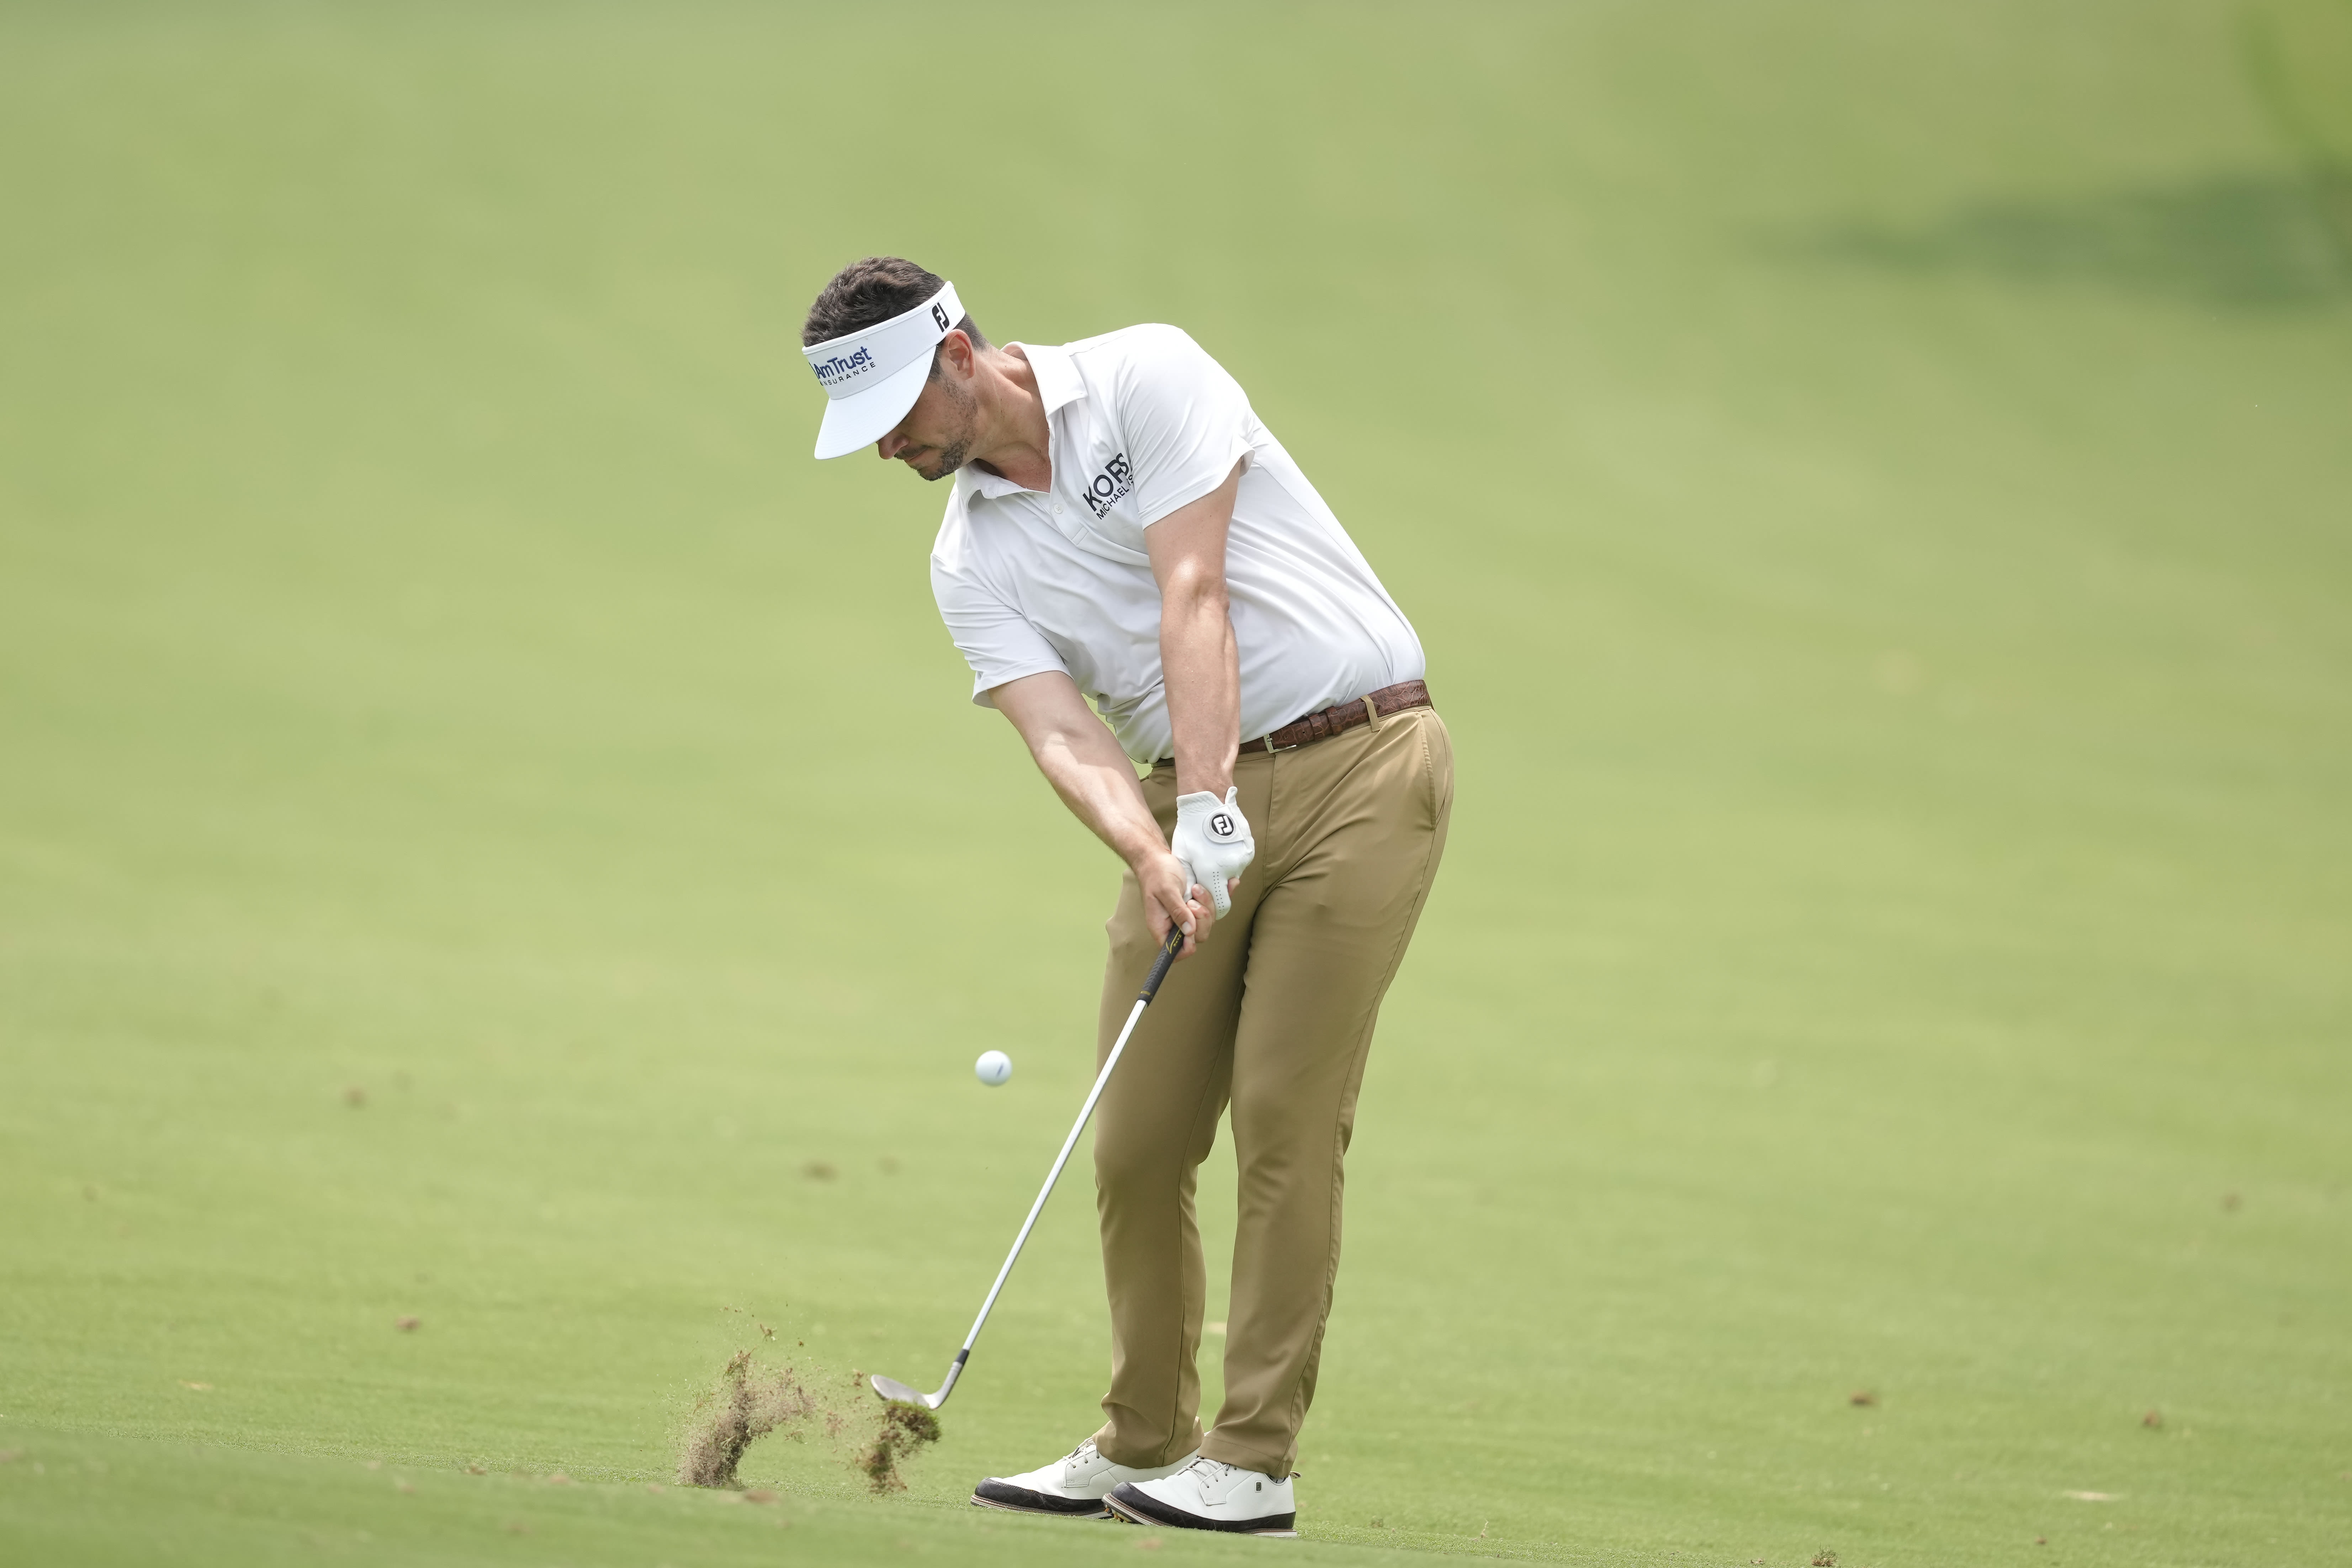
(1272, 750)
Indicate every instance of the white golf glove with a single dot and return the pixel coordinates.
(1212, 840)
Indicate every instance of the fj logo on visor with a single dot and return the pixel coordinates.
(939, 314)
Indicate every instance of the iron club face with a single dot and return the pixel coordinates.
(897, 1393)
(891, 1389)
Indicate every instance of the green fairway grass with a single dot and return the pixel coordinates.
(492, 834)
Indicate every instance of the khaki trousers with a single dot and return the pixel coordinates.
(1274, 1015)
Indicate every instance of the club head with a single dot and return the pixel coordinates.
(890, 1388)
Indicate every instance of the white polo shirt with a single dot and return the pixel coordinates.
(1143, 422)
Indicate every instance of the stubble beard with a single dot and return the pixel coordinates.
(957, 452)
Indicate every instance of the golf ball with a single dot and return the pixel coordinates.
(993, 1068)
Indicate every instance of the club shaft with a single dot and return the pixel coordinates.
(1086, 1114)
(1166, 956)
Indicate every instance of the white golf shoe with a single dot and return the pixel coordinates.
(1073, 1487)
(1208, 1495)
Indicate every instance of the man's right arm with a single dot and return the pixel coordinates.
(1082, 760)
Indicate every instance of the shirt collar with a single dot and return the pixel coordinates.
(1058, 384)
(1058, 380)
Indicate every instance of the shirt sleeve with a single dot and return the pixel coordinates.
(1187, 422)
(996, 639)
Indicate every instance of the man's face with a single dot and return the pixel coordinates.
(934, 438)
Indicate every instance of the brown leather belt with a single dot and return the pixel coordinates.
(1332, 720)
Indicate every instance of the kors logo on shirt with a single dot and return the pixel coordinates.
(1103, 491)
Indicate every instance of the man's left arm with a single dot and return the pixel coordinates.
(1198, 661)
(1201, 668)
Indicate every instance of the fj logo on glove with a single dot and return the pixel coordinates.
(1212, 842)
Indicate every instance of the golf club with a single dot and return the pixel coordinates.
(890, 1388)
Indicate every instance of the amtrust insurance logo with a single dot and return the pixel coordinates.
(840, 367)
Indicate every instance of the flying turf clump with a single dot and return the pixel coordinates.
(747, 1403)
(903, 1429)
(744, 1406)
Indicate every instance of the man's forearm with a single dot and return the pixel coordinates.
(1081, 759)
(1202, 666)
(1095, 780)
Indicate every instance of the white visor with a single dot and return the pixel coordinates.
(874, 376)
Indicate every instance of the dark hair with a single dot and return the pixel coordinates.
(869, 292)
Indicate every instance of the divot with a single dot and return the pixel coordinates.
(739, 1409)
(748, 1402)
(905, 1428)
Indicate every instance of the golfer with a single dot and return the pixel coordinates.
(1143, 582)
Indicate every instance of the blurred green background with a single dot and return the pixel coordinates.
(491, 831)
